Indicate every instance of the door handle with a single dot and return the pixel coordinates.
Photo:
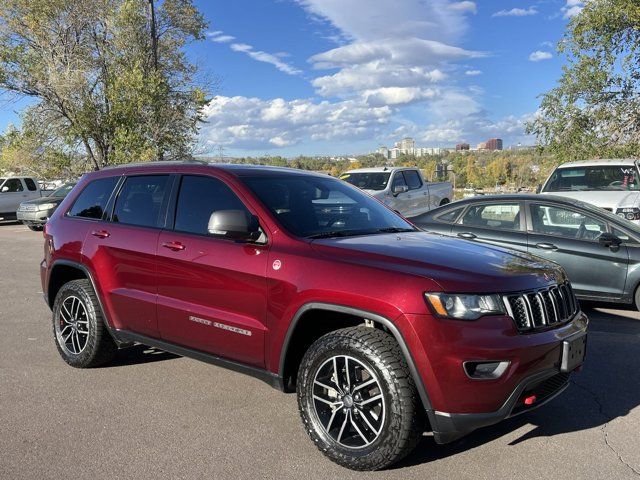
(467, 235)
(100, 233)
(175, 246)
(546, 246)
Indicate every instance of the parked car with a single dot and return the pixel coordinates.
(600, 251)
(13, 191)
(610, 184)
(35, 213)
(378, 326)
(401, 188)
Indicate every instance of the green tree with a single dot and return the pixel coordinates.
(108, 76)
(595, 108)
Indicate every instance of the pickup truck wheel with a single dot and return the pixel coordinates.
(357, 399)
(78, 327)
(444, 201)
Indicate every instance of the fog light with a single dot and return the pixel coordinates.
(485, 370)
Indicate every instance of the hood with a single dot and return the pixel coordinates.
(41, 200)
(457, 265)
(603, 198)
(374, 193)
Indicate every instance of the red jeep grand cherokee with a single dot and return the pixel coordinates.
(304, 281)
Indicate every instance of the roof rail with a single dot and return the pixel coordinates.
(158, 162)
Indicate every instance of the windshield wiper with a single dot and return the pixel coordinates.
(395, 230)
(337, 233)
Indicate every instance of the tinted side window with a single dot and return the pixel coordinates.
(413, 179)
(13, 185)
(450, 216)
(552, 220)
(199, 197)
(398, 180)
(93, 199)
(31, 185)
(504, 216)
(140, 200)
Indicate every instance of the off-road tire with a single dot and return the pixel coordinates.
(403, 423)
(100, 347)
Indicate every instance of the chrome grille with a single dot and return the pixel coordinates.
(537, 309)
(28, 208)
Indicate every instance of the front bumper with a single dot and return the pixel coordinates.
(448, 427)
(459, 404)
(33, 217)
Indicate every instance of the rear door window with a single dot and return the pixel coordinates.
(141, 201)
(31, 185)
(502, 216)
(93, 199)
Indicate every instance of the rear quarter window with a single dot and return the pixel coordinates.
(93, 199)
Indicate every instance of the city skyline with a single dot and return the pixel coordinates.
(322, 77)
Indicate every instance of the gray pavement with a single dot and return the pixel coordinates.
(155, 415)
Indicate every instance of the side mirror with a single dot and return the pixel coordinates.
(4, 189)
(398, 189)
(539, 188)
(234, 224)
(609, 240)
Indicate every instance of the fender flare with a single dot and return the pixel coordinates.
(107, 323)
(417, 379)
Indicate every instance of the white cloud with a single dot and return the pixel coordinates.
(465, 6)
(473, 73)
(223, 38)
(572, 8)
(546, 44)
(539, 55)
(253, 123)
(265, 57)
(516, 12)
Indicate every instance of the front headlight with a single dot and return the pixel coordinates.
(46, 206)
(464, 306)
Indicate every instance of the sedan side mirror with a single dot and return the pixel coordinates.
(234, 224)
(608, 239)
(4, 189)
(398, 189)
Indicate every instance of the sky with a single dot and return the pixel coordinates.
(336, 77)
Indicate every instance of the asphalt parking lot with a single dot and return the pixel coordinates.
(156, 415)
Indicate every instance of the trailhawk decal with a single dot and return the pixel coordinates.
(222, 326)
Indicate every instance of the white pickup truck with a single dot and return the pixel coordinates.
(610, 184)
(14, 191)
(401, 188)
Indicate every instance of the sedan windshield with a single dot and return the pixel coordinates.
(367, 180)
(605, 177)
(63, 191)
(320, 207)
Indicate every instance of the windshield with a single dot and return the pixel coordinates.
(367, 180)
(63, 191)
(316, 207)
(606, 177)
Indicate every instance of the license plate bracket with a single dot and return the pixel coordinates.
(574, 350)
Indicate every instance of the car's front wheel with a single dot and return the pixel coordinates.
(35, 228)
(78, 326)
(357, 399)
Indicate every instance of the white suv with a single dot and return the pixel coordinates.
(610, 184)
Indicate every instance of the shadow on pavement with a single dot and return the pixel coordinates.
(139, 354)
(605, 389)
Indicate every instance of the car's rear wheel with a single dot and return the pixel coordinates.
(357, 399)
(78, 326)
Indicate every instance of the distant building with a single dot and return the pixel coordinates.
(482, 146)
(494, 144)
(384, 151)
(462, 146)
